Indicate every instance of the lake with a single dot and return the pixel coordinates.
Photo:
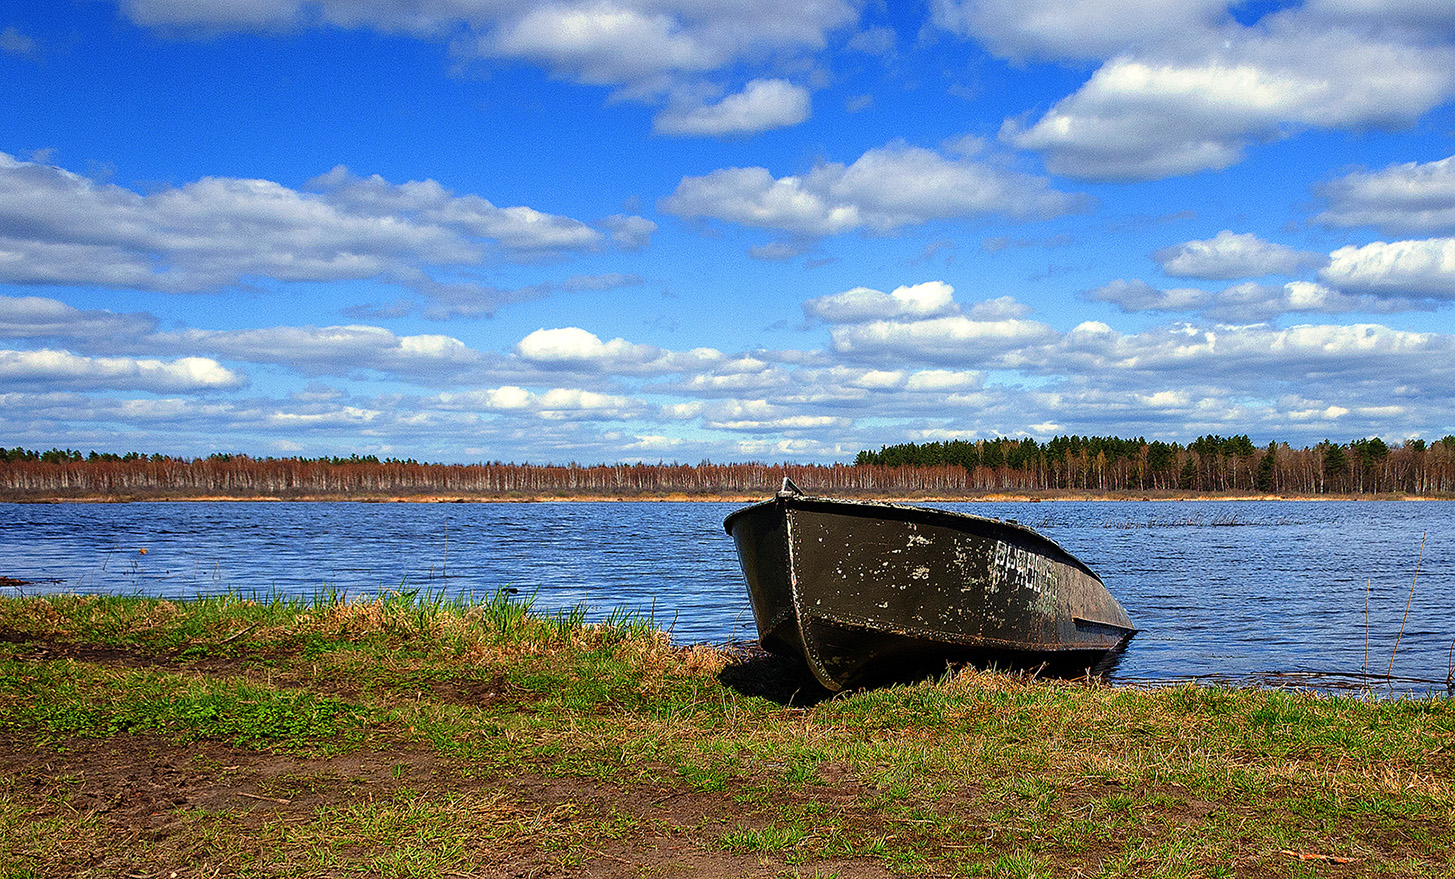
(1269, 592)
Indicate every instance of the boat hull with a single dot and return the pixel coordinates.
(868, 591)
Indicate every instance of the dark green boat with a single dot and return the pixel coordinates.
(864, 592)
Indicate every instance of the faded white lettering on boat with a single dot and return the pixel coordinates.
(1020, 568)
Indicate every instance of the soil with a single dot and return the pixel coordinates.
(142, 786)
(139, 784)
(148, 789)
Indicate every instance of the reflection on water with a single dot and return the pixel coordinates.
(1270, 592)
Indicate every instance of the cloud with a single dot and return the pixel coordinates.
(336, 350)
(449, 301)
(1176, 99)
(575, 345)
(1409, 198)
(777, 251)
(35, 317)
(1229, 255)
(763, 105)
(886, 189)
(1000, 308)
(959, 340)
(907, 364)
(1136, 295)
(617, 41)
(554, 404)
(1403, 269)
(59, 228)
(608, 281)
(1041, 371)
(861, 304)
(639, 44)
(1428, 19)
(1074, 29)
(1252, 358)
(1249, 302)
(213, 17)
(760, 416)
(575, 349)
(1246, 303)
(520, 229)
(14, 42)
(53, 369)
(630, 232)
(878, 41)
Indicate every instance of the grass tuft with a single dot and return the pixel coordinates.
(431, 735)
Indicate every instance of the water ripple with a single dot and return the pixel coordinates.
(1222, 591)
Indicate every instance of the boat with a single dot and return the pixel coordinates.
(865, 592)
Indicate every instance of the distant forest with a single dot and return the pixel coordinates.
(1213, 464)
(1210, 465)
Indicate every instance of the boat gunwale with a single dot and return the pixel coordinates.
(912, 513)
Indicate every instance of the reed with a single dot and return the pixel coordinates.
(1408, 602)
(1450, 672)
(1365, 669)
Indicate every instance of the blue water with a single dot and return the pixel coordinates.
(1243, 591)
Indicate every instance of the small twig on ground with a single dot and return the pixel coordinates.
(1310, 856)
(239, 634)
(269, 799)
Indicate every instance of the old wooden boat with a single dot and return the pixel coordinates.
(867, 591)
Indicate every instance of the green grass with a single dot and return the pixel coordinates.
(85, 700)
(472, 731)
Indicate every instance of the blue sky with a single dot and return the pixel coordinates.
(621, 230)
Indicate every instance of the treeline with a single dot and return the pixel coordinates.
(1211, 464)
(26, 474)
(63, 456)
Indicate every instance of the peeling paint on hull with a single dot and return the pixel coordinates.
(866, 591)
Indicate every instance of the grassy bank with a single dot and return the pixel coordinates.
(414, 737)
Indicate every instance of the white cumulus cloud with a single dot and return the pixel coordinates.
(1407, 198)
(1060, 29)
(885, 189)
(38, 317)
(62, 369)
(763, 105)
(1175, 99)
(918, 301)
(1410, 269)
(334, 350)
(1248, 302)
(957, 339)
(1230, 255)
(59, 228)
(1138, 295)
(641, 45)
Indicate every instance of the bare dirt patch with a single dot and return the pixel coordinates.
(145, 787)
(147, 791)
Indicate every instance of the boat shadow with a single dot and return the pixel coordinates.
(753, 671)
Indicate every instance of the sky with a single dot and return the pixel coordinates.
(730, 230)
